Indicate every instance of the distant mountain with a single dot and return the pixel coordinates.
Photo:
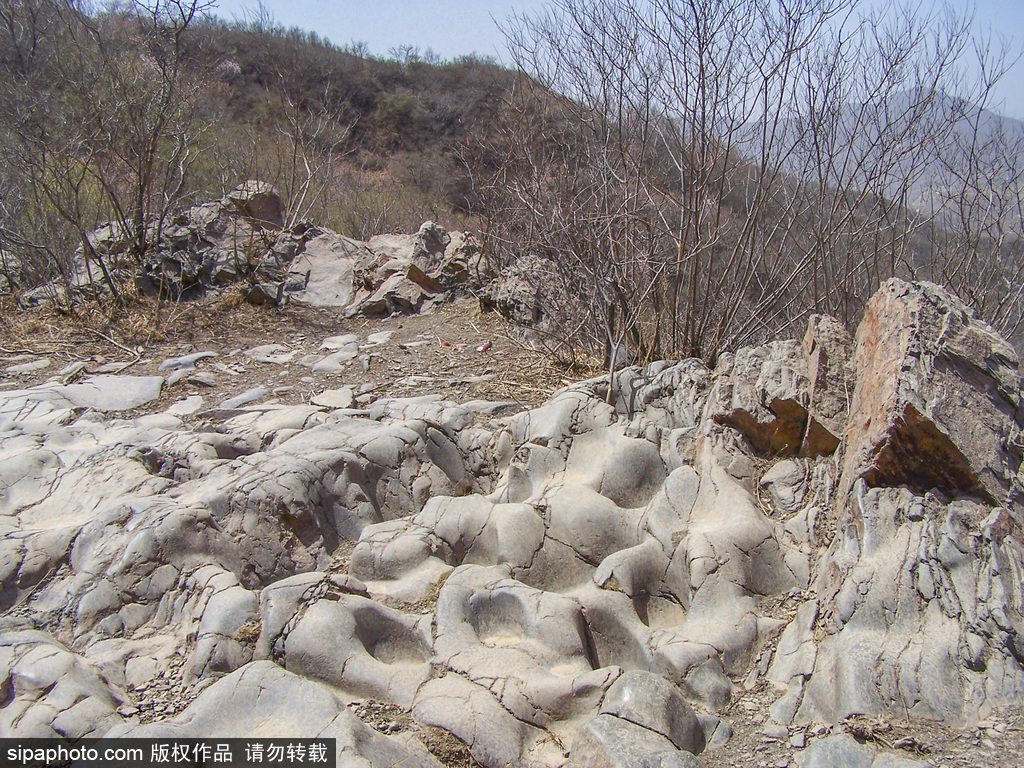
(917, 149)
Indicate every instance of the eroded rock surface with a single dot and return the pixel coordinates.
(594, 582)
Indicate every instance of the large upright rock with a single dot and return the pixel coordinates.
(324, 273)
(938, 398)
(917, 603)
(829, 351)
(259, 202)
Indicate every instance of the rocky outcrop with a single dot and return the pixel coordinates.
(242, 239)
(787, 398)
(593, 582)
(920, 589)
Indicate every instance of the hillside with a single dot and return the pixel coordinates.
(118, 116)
(398, 127)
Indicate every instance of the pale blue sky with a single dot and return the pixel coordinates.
(453, 28)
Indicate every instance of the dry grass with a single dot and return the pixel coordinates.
(145, 331)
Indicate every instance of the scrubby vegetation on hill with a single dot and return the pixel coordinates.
(666, 179)
(130, 113)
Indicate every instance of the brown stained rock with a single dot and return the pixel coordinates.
(786, 398)
(763, 393)
(422, 279)
(937, 401)
(260, 202)
(829, 350)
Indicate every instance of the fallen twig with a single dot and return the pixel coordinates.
(19, 351)
(103, 336)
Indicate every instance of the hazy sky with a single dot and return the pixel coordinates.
(457, 27)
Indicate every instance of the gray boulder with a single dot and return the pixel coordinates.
(924, 362)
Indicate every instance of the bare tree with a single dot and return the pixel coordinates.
(714, 170)
(104, 125)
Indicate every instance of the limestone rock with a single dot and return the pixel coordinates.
(924, 362)
(335, 398)
(952, 646)
(275, 354)
(324, 273)
(52, 691)
(764, 393)
(650, 701)
(186, 362)
(611, 742)
(261, 700)
(844, 750)
(214, 243)
(38, 364)
(113, 393)
(242, 240)
(787, 483)
(829, 350)
(244, 398)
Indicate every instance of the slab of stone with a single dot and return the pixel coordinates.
(763, 393)
(186, 407)
(71, 370)
(274, 354)
(795, 653)
(113, 393)
(244, 398)
(381, 337)
(40, 406)
(335, 363)
(30, 367)
(203, 379)
(335, 343)
(186, 362)
(335, 398)
(326, 270)
(230, 370)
